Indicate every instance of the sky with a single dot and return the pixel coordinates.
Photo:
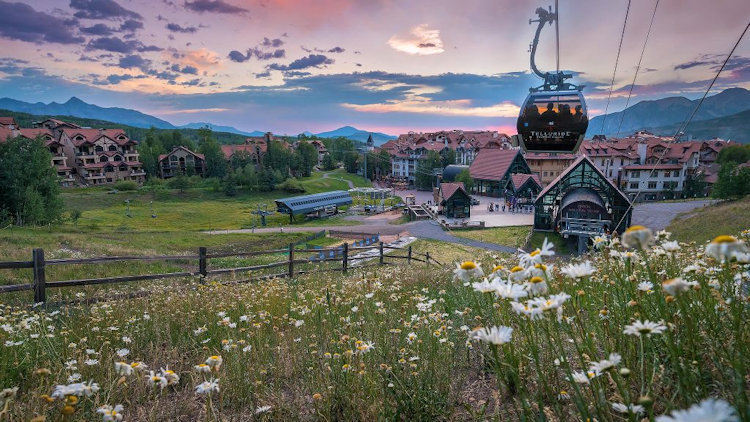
(392, 66)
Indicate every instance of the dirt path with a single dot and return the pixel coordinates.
(348, 182)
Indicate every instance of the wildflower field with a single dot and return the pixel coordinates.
(643, 328)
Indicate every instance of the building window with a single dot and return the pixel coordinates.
(635, 174)
(667, 173)
(652, 185)
(676, 173)
(653, 175)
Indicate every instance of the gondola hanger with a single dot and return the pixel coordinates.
(553, 117)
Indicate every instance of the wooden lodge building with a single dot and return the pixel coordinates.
(453, 201)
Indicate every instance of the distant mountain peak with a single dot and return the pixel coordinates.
(75, 100)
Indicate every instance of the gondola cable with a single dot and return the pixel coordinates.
(617, 60)
(637, 69)
(684, 125)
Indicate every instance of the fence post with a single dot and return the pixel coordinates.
(381, 253)
(345, 259)
(291, 260)
(408, 256)
(427, 257)
(202, 252)
(40, 295)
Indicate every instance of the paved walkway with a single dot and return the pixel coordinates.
(425, 229)
(658, 215)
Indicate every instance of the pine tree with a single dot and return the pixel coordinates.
(30, 187)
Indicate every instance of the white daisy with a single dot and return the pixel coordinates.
(604, 365)
(578, 271)
(709, 410)
(644, 327)
(635, 409)
(677, 285)
(207, 387)
(494, 335)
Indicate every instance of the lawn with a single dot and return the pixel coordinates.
(701, 225)
(191, 210)
(358, 181)
(513, 236)
(561, 245)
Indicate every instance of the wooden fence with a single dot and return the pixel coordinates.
(40, 284)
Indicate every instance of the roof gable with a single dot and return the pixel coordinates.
(447, 190)
(582, 161)
(493, 164)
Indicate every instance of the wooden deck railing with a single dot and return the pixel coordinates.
(39, 264)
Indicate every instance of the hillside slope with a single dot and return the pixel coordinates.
(701, 225)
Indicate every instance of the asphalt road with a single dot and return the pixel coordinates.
(656, 216)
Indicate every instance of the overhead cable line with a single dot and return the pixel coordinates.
(638, 68)
(617, 60)
(685, 124)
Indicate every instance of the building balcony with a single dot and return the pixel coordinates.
(137, 173)
(96, 176)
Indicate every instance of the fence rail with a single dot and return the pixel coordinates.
(341, 254)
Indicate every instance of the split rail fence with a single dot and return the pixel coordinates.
(40, 284)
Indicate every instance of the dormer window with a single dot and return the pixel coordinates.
(121, 138)
(78, 138)
(112, 148)
(118, 158)
(109, 169)
(99, 148)
(103, 159)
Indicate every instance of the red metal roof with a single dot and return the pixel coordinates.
(163, 156)
(653, 166)
(449, 189)
(7, 121)
(519, 179)
(492, 164)
(92, 135)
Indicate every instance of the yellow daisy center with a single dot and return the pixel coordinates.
(535, 252)
(724, 239)
(498, 268)
(468, 265)
(516, 269)
(634, 229)
(536, 279)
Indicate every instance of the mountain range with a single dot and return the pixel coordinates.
(717, 117)
(78, 108)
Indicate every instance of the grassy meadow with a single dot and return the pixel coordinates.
(513, 236)
(723, 217)
(192, 209)
(624, 334)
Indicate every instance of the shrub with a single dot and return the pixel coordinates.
(125, 185)
(291, 185)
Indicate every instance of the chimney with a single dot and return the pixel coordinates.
(642, 150)
(268, 137)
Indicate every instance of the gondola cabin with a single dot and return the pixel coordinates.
(552, 121)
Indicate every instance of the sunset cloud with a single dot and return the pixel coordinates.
(421, 40)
